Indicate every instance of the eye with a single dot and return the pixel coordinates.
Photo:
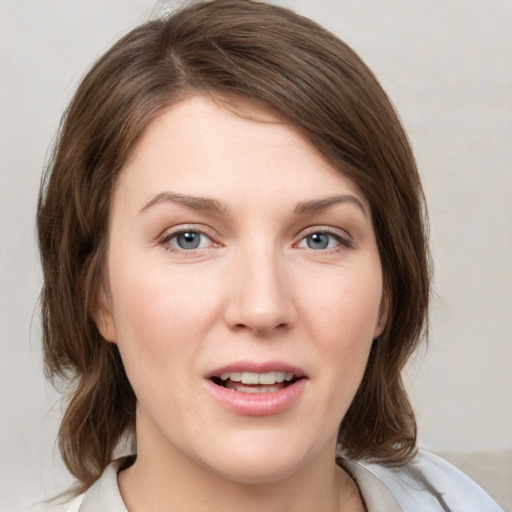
(186, 240)
(322, 240)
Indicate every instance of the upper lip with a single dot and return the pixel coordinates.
(257, 367)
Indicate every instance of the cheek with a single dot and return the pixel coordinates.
(345, 305)
(341, 314)
(161, 319)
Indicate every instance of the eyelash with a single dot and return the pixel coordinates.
(344, 241)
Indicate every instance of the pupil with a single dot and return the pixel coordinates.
(188, 240)
(318, 241)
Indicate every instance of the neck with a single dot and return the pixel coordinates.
(162, 481)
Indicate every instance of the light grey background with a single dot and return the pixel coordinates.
(447, 65)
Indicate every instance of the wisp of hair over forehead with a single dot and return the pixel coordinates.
(232, 50)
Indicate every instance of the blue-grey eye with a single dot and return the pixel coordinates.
(319, 241)
(188, 240)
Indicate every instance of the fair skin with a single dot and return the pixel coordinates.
(235, 247)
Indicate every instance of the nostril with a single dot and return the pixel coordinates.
(260, 328)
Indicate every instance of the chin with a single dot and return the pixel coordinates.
(258, 462)
(258, 472)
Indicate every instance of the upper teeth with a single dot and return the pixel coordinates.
(257, 378)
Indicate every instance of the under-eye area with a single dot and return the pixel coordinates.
(251, 382)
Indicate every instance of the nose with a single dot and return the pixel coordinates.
(261, 298)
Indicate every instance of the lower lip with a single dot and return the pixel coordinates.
(256, 404)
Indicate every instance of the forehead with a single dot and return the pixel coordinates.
(233, 151)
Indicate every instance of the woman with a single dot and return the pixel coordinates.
(236, 271)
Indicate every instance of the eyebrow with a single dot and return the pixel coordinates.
(321, 204)
(212, 205)
(194, 202)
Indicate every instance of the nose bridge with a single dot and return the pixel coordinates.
(261, 298)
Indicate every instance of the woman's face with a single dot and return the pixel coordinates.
(238, 258)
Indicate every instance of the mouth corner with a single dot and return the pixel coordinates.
(216, 380)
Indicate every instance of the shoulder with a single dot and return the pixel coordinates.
(102, 495)
(428, 482)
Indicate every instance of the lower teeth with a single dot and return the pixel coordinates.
(253, 388)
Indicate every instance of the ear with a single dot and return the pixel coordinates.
(102, 315)
(383, 317)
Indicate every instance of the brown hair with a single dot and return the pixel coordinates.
(261, 53)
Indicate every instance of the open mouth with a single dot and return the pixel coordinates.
(268, 388)
(251, 382)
